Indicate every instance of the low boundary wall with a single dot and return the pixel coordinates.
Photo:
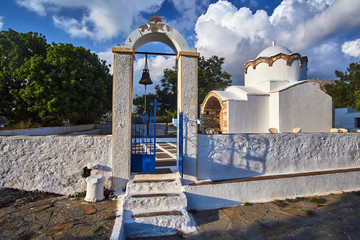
(211, 195)
(49, 130)
(248, 155)
(52, 163)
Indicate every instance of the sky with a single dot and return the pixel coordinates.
(326, 31)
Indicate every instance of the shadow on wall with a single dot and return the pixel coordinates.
(190, 145)
(195, 200)
(235, 156)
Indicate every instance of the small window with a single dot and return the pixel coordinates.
(357, 122)
(207, 112)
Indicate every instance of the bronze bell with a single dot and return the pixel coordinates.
(145, 78)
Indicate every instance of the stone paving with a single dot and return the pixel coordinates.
(29, 215)
(34, 215)
(324, 217)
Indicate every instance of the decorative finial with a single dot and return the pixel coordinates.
(273, 43)
(156, 19)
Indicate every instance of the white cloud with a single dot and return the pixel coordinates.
(100, 20)
(190, 11)
(324, 60)
(1, 22)
(108, 56)
(239, 34)
(156, 68)
(351, 48)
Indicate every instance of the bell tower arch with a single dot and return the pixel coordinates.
(124, 56)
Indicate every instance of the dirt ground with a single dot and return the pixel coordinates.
(39, 215)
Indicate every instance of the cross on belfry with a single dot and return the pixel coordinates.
(156, 19)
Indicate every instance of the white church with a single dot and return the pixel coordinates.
(276, 96)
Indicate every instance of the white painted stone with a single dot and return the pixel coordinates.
(52, 163)
(94, 188)
(213, 196)
(304, 106)
(248, 155)
(118, 231)
(153, 187)
(187, 103)
(160, 224)
(278, 72)
(165, 203)
(163, 33)
(122, 106)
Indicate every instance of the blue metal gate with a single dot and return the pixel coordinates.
(180, 144)
(143, 142)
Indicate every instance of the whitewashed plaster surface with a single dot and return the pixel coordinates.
(239, 119)
(304, 106)
(52, 163)
(279, 71)
(345, 118)
(247, 155)
(234, 193)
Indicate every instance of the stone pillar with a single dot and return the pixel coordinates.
(121, 123)
(188, 104)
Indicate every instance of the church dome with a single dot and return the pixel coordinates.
(274, 66)
(274, 50)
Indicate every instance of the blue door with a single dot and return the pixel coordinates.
(143, 142)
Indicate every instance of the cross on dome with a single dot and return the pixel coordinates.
(273, 43)
(156, 19)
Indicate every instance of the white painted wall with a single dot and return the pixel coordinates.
(274, 110)
(278, 71)
(251, 116)
(248, 155)
(345, 118)
(305, 106)
(52, 163)
(213, 196)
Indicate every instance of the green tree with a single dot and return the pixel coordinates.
(63, 83)
(15, 49)
(140, 100)
(346, 91)
(167, 91)
(210, 77)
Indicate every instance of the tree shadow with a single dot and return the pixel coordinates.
(232, 156)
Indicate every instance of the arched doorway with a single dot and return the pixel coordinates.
(124, 56)
(214, 114)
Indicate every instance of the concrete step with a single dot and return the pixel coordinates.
(147, 183)
(169, 185)
(154, 201)
(158, 223)
(155, 205)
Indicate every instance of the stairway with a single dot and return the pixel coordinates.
(155, 205)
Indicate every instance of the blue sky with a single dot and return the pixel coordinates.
(327, 31)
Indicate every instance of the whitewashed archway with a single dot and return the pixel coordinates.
(124, 56)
